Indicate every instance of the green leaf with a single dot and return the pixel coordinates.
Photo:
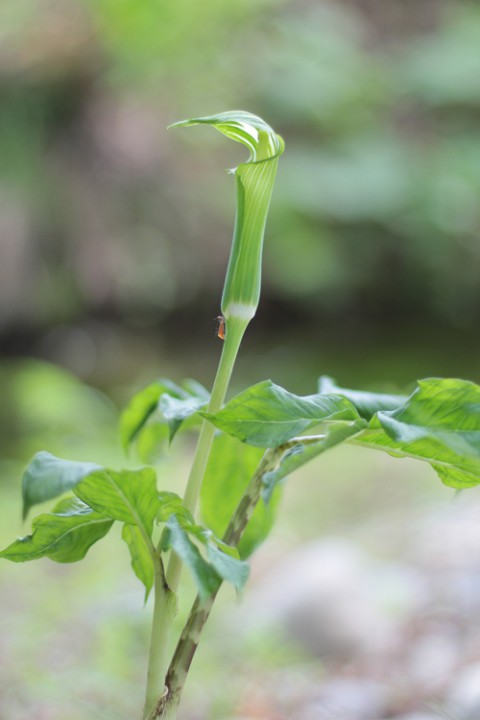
(266, 415)
(455, 478)
(439, 423)
(223, 561)
(301, 453)
(172, 504)
(64, 535)
(48, 477)
(366, 403)
(229, 470)
(228, 567)
(141, 407)
(176, 409)
(168, 403)
(150, 442)
(142, 562)
(129, 496)
(205, 576)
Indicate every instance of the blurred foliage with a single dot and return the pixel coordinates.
(43, 407)
(376, 210)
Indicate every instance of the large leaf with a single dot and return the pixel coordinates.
(366, 403)
(439, 423)
(266, 415)
(127, 495)
(229, 470)
(172, 504)
(64, 535)
(141, 558)
(48, 477)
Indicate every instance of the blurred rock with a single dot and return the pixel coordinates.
(336, 601)
(344, 699)
(457, 527)
(433, 659)
(464, 698)
(420, 716)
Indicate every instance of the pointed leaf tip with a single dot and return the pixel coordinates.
(48, 476)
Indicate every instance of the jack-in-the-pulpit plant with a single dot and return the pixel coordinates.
(246, 449)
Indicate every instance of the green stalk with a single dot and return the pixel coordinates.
(164, 611)
(235, 329)
(254, 181)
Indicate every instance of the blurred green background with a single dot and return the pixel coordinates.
(115, 233)
(114, 238)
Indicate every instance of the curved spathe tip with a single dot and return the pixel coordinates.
(246, 128)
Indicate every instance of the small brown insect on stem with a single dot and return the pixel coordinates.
(221, 327)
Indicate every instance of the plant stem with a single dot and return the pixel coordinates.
(234, 333)
(164, 611)
(200, 612)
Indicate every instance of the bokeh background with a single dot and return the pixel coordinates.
(114, 237)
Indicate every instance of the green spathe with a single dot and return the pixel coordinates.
(255, 179)
(246, 128)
